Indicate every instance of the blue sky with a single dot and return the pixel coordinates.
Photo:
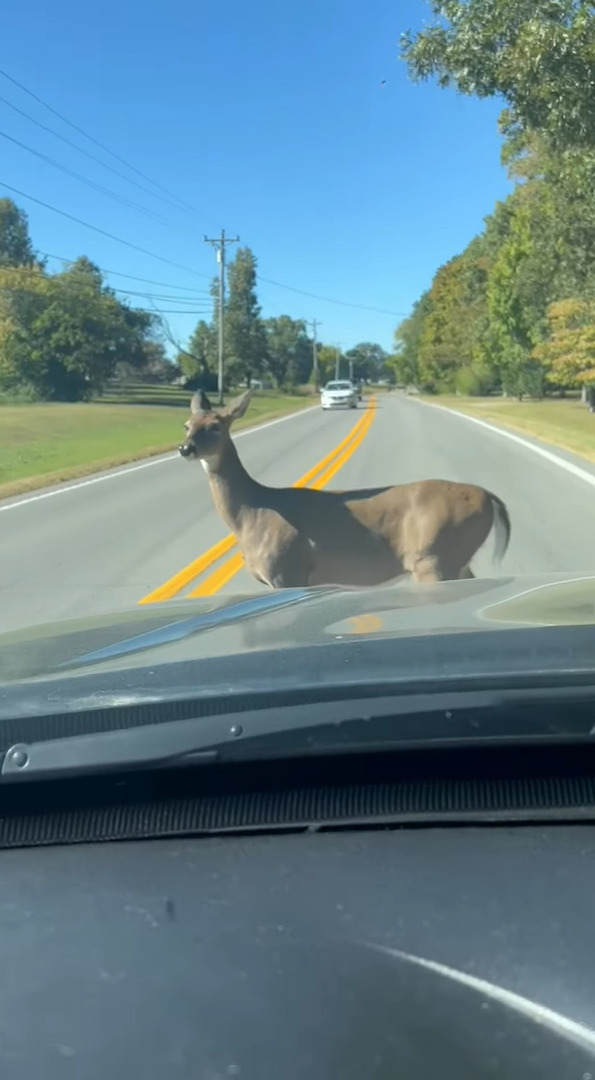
(266, 119)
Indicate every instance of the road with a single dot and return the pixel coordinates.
(115, 539)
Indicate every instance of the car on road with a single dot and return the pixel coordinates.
(339, 394)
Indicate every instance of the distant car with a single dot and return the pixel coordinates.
(339, 395)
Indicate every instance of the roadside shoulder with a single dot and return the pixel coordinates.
(574, 463)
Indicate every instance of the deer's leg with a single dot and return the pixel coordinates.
(287, 568)
(427, 569)
(275, 553)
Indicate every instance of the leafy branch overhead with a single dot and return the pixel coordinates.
(538, 55)
(515, 310)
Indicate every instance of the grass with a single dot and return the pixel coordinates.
(44, 444)
(567, 424)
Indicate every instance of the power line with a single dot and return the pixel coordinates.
(132, 292)
(88, 154)
(153, 310)
(186, 269)
(180, 202)
(83, 179)
(118, 273)
(172, 311)
(102, 232)
(330, 300)
(157, 296)
(96, 142)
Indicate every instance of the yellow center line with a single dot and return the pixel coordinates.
(223, 574)
(198, 566)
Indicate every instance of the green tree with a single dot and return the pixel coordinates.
(568, 354)
(535, 54)
(288, 350)
(72, 334)
(327, 358)
(408, 337)
(368, 360)
(199, 359)
(449, 337)
(245, 337)
(15, 244)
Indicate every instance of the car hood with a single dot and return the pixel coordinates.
(291, 619)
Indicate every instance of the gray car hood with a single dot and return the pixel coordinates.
(227, 626)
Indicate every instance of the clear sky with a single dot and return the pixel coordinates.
(267, 119)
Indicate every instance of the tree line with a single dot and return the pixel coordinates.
(278, 349)
(515, 311)
(65, 336)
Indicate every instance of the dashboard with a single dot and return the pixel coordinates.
(419, 952)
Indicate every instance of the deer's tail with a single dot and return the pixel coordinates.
(502, 527)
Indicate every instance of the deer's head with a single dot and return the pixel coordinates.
(207, 430)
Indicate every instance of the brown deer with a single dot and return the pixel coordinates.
(293, 537)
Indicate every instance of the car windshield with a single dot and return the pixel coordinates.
(294, 359)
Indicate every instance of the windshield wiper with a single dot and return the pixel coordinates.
(234, 612)
(368, 724)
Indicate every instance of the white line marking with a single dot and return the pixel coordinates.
(554, 459)
(557, 1022)
(144, 465)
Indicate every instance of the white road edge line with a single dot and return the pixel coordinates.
(575, 470)
(144, 465)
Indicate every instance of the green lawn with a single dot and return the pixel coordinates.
(138, 393)
(49, 443)
(564, 423)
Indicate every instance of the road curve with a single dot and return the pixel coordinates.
(110, 541)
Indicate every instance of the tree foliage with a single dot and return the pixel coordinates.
(199, 359)
(368, 361)
(288, 350)
(63, 336)
(568, 355)
(15, 243)
(278, 347)
(245, 338)
(535, 54)
(506, 310)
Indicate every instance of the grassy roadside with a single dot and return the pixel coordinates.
(566, 424)
(44, 444)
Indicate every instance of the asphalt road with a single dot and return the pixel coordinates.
(110, 541)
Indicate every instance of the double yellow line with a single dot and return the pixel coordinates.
(318, 477)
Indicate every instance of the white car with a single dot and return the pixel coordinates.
(339, 395)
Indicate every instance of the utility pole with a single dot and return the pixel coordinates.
(337, 361)
(314, 323)
(219, 244)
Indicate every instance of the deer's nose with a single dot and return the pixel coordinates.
(186, 449)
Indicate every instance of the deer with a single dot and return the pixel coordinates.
(301, 537)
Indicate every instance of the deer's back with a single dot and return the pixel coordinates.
(336, 514)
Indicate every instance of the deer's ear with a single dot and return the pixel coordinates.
(200, 403)
(238, 406)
